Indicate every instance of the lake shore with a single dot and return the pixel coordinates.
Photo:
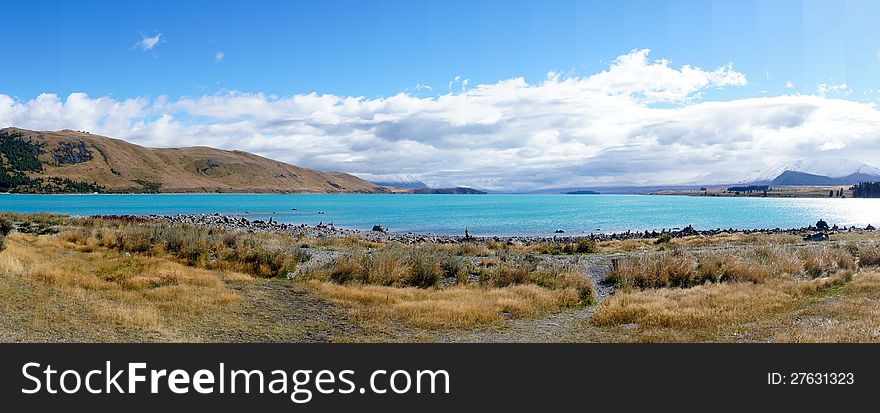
(379, 234)
(204, 278)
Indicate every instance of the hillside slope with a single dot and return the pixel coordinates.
(113, 165)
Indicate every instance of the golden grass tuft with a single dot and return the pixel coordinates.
(454, 307)
(755, 264)
(134, 291)
(709, 305)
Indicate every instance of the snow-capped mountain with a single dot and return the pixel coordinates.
(830, 167)
(836, 171)
(398, 181)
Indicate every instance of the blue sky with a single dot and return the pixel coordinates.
(505, 95)
(371, 49)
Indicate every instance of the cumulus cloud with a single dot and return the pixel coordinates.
(640, 121)
(836, 88)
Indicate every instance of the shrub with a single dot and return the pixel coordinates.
(664, 238)
(5, 229)
(869, 255)
(264, 255)
(565, 278)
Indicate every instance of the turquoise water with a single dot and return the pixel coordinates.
(481, 214)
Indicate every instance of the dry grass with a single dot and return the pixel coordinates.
(683, 268)
(869, 255)
(264, 255)
(454, 307)
(709, 305)
(129, 291)
(429, 287)
(391, 266)
(723, 239)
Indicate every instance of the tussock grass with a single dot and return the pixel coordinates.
(428, 287)
(134, 291)
(454, 307)
(709, 305)
(683, 268)
(580, 246)
(392, 266)
(869, 255)
(263, 255)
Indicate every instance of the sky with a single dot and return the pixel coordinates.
(501, 95)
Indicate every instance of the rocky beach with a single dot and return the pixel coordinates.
(380, 234)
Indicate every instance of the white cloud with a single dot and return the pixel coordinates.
(832, 145)
(637, 122)
(789, 84)
(826, 88)
(149, 42)
(219, 57)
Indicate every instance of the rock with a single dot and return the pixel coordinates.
(818, 236)
(378, 228)
(559, 231)
(822, 225)
(870, 228)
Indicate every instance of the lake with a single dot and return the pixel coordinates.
(482, 214)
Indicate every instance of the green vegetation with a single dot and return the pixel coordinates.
(866, 190)
(664, 238)
(18, 157)
(147, 187)
(5, 228)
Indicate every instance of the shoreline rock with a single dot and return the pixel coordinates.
(236, 223)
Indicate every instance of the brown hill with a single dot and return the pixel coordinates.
(120, 166)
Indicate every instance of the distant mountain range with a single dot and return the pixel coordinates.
(459, 190)
(407, 184)
(406, 181)
(71, 161)
(820, 172)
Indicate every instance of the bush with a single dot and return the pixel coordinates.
(264, 255)
(5, 229)
(869, 255)
(664, 238)
(754, 265)
(565, 278)
(506, 275)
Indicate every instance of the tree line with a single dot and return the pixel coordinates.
(866, 190)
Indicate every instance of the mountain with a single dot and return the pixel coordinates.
(70, 161)
(825, 171)
(459, 190)
(407, 181)
(794, 178)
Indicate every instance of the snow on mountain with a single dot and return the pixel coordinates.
(830, 167)
(397, 181)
